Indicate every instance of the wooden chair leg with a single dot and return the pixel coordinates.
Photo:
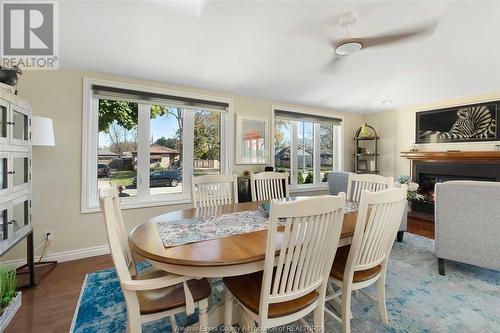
(134, 322)
(134, 326)
(381, 298)
(346, 310)
(173, 323)
(228, 311)
(441, 266)
(203, 310)
(319, 317)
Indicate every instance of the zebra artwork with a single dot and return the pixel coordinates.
(472, 123)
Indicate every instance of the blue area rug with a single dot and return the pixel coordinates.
(467, 299)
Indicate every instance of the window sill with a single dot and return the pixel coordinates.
(309, 188)
(132, 203)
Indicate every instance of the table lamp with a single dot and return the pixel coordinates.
(42, 131)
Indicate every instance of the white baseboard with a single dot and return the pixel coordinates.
(65, 255)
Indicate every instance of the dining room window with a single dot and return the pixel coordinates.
(148, 143)
(307, 146)
(207, 142)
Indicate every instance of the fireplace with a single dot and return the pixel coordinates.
(428, 174)
(429, 168)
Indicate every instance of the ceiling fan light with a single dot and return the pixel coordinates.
(348, 48)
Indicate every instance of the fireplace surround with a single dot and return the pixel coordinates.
(428, 168)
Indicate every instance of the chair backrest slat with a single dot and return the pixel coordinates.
(356, 184)
(379, 217)
(115, 226)
(310, 231)
(214, 190)
(269, 185)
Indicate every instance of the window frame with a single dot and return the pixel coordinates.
(89, 201)
(338, 166)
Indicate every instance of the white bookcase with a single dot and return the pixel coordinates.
(15, 171)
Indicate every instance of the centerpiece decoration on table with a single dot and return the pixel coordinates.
(266, 207)
(412, 194)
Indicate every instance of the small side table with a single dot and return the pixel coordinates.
(30, 255)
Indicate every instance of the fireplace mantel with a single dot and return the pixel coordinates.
(453, 156)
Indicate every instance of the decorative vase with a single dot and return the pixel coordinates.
(365, 131)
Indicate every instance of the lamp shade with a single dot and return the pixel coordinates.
(42, 131)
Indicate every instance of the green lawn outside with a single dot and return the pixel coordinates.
(122, 177)
(125, 177)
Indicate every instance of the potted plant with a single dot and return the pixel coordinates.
(412, 194)
(10, 300)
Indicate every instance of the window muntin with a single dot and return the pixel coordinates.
(307, 149)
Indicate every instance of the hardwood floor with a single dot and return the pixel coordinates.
(421, 227)
(49, 307)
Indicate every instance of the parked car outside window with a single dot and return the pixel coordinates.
(103, 170)
(162, 178)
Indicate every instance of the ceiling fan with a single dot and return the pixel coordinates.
(350, 45)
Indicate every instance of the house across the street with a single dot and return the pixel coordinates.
(159, 156)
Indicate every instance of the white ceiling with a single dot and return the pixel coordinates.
(278, 50)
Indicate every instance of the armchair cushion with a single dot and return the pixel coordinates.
(467, 222)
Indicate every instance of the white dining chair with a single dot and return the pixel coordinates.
(356, 183)
(364, 262)
(293, 284)
(269, 185)
(214, 190)
(150, 294)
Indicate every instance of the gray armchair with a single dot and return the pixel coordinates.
(337, 182)
(467, 215)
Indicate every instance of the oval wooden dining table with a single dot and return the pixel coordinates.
(228, 256)
(217, 258)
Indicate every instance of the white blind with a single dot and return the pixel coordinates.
(136, 96)
(311, 118)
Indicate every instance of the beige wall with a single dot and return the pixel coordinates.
(397, 131)
(57, 170)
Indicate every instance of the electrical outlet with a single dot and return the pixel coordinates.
(49, 235)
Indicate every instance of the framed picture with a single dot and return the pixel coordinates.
(252, 140)
(467, 123)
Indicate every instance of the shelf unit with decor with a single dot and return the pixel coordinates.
(15, 175)
(366, 154)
